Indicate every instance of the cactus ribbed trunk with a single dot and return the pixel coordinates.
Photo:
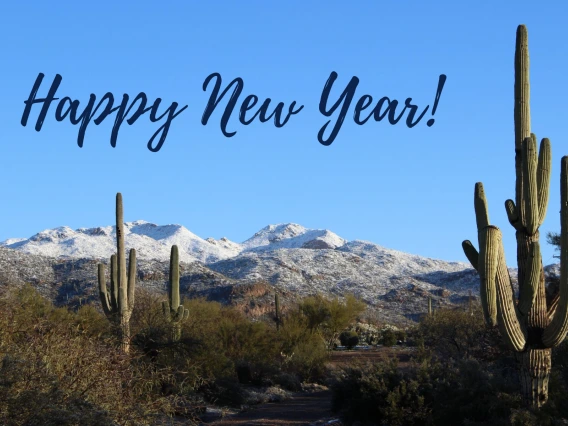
(124, 335)
(534, 372)
(122, 295)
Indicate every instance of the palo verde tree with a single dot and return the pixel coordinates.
(118, 304)
(529, 325)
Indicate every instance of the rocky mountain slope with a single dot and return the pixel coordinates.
(287, 258)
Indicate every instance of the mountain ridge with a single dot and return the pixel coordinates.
(64, 242)
(286, 258)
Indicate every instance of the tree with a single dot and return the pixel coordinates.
(553, 238)
(330, 317)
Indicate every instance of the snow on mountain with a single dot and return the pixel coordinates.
(362, 268)
(154, 242)
(150, 241)
(399, 263)
(291, 235)
(226, 244)
(286, 255)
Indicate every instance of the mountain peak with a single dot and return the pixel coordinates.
(292, 235)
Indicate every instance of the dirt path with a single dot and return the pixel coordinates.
(308, 408)
(301, 409)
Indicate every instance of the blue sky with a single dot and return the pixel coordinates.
(404, 188)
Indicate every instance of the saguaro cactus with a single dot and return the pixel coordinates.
(119, 303)
(528, 325)
(277, 317)
(173, 310)
(430, 305)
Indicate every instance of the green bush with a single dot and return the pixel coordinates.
(458, 378)
(389, 337)
(58, 366)
(455, 333)
(302, 350)
(379, 394)
(349, 339)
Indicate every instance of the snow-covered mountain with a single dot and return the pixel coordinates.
(150, 241)
(291, 236)
(154, 242)
(285, 257)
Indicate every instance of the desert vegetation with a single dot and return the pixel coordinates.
(461, 373)
(65, 367)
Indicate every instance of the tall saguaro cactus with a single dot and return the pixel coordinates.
(277, 317)
(173, 310)
(528, 325)
(118, 304)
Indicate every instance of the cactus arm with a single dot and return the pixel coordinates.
(166, 310)
(471, 253)
(553, 306)
(103, 293)
(531, 215)
(131, 278)
(488, 257)
(180, 313)
(522, 108)
(480, 204)
(543, 177)
(512, 214)
(508, 317)
(556, 331)
(487, 264)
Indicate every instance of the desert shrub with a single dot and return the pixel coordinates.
(457, 378)
(379, 394)
(58, 366)
(251, 346)
(457, 392)
(307, 361)
(455, 333)
(389, 337)
(349, 339)
(288, 382)
(302, 351)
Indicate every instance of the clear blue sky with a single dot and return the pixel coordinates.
(409, 189)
